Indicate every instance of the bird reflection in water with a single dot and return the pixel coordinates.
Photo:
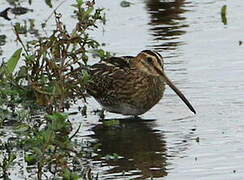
(141, 148)
(167, 22)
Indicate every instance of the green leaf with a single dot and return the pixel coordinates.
(21, 128)
(49, 3)
(85, 76)
(12, 62)
(69, 175)
(11, 158)
(112, 123)
(79, 2)
(30, 159)
(89, 11)
(125, 4)
(223, 14)
(57, 116)
(37, 150)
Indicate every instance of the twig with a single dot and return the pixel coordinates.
(75, 132)
(45, 22)
(19, 39)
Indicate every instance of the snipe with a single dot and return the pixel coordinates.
(131, 85)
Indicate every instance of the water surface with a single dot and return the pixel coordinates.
(204, 59)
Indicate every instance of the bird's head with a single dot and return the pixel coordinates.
(151, 63)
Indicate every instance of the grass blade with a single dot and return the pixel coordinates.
(12, 62)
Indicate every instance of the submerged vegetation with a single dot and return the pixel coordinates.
(35, 96)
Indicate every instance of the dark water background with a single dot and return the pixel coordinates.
(204, 59)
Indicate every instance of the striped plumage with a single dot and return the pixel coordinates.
(128, 85)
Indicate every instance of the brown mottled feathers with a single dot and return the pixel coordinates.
(121, 88)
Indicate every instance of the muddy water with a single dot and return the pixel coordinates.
(204, 59)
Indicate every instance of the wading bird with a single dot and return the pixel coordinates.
(131, 85)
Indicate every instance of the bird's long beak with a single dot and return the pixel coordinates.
(176, 90)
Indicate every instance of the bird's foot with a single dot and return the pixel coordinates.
(101, 115)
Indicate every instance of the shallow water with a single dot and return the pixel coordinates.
(204, 59)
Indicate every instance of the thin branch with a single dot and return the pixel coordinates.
(75, 132)
(45, 22)
(19, 39)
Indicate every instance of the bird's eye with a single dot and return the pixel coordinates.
(149, 60)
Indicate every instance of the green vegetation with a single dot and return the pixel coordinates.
(223, 14)
(18, 2)
(35, 96)
(125, 4)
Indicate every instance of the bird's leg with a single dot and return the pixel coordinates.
(136, 117)
(101, 115)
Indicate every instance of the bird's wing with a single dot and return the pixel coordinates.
(121, 62)
(107, 73)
